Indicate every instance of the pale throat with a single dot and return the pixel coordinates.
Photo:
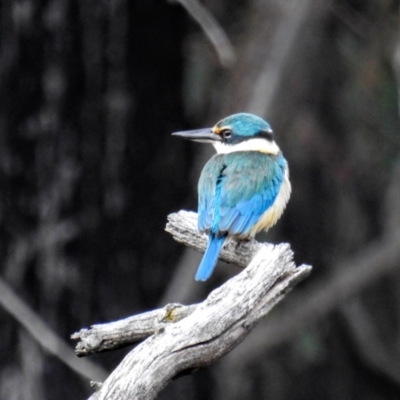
(256, 144)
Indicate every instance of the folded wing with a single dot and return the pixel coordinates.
(235, 189)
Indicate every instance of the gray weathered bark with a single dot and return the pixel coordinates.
(202, 333)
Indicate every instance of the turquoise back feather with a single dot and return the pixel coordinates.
(235, 189)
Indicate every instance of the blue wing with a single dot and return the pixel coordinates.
(235, 189)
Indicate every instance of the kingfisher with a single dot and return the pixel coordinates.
(244, 188)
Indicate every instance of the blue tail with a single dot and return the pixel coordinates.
(210, 257)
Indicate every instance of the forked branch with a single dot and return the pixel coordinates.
(185, 338)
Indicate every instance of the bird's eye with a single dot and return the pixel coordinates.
(226, 134)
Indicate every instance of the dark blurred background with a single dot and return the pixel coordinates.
(90, 92)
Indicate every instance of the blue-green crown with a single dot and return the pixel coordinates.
(245, 126)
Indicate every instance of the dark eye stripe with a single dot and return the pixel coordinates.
(269, 135)
(235, 139)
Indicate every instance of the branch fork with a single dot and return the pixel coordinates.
(181, 338)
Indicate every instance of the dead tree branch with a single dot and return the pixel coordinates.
(202, 333)
(113, 335)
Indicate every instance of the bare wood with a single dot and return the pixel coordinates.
(202, 333)
(183, 228)
(108, 336)
(113, 335)
(217, 325)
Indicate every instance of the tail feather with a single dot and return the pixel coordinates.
(210, 257)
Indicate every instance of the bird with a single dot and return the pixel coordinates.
(243, 189)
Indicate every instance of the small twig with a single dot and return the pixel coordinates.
(212, 29)
(104, 337)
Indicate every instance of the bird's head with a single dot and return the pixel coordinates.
(238, 132)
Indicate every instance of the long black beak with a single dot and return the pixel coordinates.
(199, 135)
